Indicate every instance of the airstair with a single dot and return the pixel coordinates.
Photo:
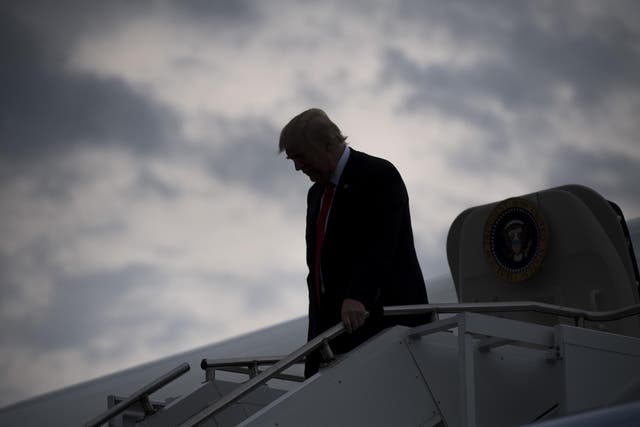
(471, 369)
(568, 347)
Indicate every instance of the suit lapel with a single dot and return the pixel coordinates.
(344, 186)
(342, 192)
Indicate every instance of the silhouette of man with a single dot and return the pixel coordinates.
(360, 250)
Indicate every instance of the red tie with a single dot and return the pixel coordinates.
(320, 227)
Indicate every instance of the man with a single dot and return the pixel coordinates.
(360, 249)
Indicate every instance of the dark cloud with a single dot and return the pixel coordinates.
(614, 175)
(64, 22)
(252, 142)
(593, 56)
(82, 308)
(448, 91)
(533, 48)
(244, 151)
(78, 309)
(47, 109)
(230, 12)
(256, 165)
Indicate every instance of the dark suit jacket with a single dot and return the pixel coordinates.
(368, 252)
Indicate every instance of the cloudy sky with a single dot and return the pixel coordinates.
(144, 208)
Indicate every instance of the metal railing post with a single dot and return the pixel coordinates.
(141, 395)
(210, 374)
(326, 352)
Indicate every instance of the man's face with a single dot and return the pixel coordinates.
(312, 160)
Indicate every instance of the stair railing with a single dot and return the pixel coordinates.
(320, 342)
(248, 366)
(578, 315)
(141, 395)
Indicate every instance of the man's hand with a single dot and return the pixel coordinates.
(353, 314)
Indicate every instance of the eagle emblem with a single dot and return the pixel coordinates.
(515, 239)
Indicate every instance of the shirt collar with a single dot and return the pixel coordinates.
(335, 177)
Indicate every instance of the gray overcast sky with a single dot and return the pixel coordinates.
(144, 209)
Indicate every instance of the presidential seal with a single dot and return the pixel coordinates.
(515, 239)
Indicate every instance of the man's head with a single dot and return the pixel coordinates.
(314, 143)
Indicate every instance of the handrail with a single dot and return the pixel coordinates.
(251, 374)
(246, 365)
(139, 395)
(505, 307)
(240, 361)
(266, 375)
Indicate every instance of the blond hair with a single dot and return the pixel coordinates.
(312, 126)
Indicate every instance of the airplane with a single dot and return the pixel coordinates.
(536, 324)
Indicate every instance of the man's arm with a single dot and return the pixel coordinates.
(382, 214)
